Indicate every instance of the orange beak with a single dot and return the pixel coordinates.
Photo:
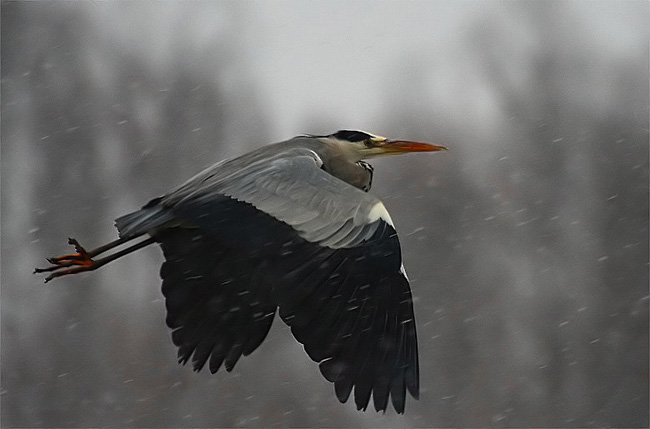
(409, 146)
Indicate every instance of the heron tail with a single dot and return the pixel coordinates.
(149, 217)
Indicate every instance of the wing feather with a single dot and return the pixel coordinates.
(214, 307)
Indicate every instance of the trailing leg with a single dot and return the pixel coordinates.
(83, 259)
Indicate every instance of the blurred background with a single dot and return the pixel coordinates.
(526, 243)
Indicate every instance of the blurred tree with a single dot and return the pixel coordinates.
(538, 263)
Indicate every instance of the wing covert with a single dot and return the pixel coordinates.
(291, 187)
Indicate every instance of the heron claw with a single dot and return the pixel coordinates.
(81, 259)
(78, 247)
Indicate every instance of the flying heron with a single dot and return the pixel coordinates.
(288, 226)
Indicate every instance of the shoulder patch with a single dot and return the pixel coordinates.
(379, 211)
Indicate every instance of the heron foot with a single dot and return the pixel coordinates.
(80, 257)
(81, 260)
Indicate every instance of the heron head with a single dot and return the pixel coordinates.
(370, 146)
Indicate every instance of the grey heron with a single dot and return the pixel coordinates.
(288, 227)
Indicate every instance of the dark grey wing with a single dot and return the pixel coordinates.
(217, 310)
(330, 258)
